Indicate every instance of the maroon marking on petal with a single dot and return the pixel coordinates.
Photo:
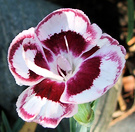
(67, 110)
(113, 56)
(116, 58)
(52, 121)
(83, 79)
(51, 15)
(25, 114)
(16, 45)
(75, 11)
(123, 49)
(105, 89)
(93, 33)
(32, 76)
(13, 50)
(29, 46)
(49, 89)
(39, 59)
(111, 40)
(56, 43)
(76, 43)
(48, 55)
(46, 19)
(78, 13)
(24, 99)
(90, 52)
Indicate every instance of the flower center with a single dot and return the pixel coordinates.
(64, 67)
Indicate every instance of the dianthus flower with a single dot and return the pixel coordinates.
(65, 60)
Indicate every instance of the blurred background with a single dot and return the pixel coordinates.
(115, 17)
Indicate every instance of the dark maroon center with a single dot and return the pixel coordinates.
(76, 43)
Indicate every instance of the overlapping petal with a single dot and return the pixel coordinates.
(40, 103)
(73, 24)
(35, 59)
(96, 74)
(17, 65)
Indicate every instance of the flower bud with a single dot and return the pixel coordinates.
(85, 115)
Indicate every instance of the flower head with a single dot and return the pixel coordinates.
(65, 61)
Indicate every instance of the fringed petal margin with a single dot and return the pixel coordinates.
(62, 20)
(22, 74)
(40, 103)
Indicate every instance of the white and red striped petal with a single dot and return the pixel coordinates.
(62, 20)
(23, 75)
(40, 103)
(35, 59)
(72, 24)
(92, 36)
(108, 40)
(95, 75)
(53, 112)
(104, 40)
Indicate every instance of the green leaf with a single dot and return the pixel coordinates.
(6, 123)
(18, 125)
(1, 127)
(130, 19)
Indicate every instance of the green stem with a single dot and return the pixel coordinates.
(72, 123)
(81, 128)
(85, 129)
